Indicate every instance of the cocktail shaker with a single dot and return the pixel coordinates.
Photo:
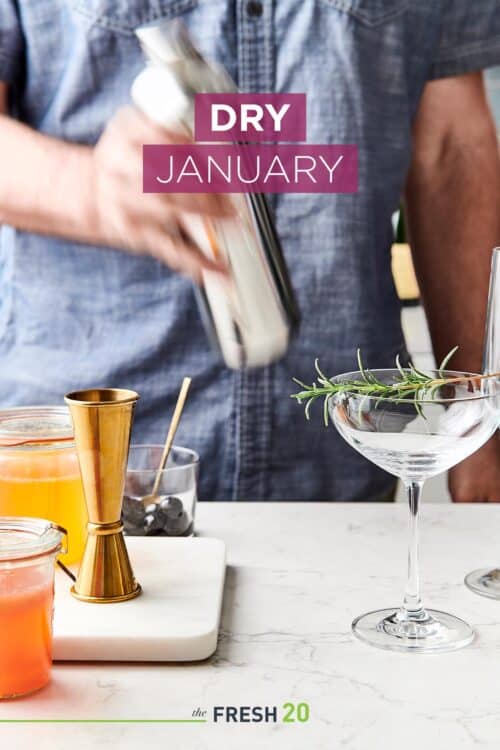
(250, 317)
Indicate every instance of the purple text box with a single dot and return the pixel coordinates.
(232, 168)
(252, 117)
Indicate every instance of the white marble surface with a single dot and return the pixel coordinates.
(297, 575)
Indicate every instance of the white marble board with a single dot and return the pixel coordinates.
(176, 618)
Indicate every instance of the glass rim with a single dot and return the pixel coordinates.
(41, 537)
(472, 397)
(169, 469)
(18, 428)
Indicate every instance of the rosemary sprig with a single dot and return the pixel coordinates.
(412, 385)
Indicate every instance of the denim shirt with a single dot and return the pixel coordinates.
(73, 316)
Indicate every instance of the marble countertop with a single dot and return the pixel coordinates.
(297, 575)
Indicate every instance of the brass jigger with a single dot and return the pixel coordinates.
(102, 420)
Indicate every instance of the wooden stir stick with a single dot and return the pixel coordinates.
(181, 400)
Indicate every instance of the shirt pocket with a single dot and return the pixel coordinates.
(124, 16)
(370, 12)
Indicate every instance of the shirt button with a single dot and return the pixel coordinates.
(254, 8)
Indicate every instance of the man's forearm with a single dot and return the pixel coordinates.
(94, 194)
(43, 182)
(453, 208)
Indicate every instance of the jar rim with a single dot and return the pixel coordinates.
(23, 538)
(35, 425)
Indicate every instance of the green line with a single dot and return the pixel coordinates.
(103, 721)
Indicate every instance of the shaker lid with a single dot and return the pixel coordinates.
(22, 538)
(35, 425)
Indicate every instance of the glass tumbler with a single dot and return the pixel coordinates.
(28, 549)
(171, 512)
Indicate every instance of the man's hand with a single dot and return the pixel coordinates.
(123, 216)
(94, 195)
(477, 479)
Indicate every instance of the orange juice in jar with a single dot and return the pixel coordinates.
(28, 547)
(39, 472)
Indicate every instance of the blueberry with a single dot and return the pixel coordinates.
(152, 525)
(179, 526)
(172, 507)
(133, 510)
(130, 530)
(162, 517)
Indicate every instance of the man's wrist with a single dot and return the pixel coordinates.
(78, 195)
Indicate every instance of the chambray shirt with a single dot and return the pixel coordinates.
(73, 316)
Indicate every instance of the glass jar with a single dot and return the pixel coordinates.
(39, 472)
(28, 548)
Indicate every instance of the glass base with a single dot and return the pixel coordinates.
(485, 582)
(24, 693)
(432, 632)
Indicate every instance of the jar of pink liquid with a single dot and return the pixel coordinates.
(28, 549)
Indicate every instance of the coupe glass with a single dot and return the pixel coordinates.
(415, 442)
(486, 581)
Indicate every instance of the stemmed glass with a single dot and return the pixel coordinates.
(487, 581)
(415, 441)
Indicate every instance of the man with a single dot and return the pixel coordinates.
(399, 79)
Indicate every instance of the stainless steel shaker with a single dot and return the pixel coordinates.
(251, 317)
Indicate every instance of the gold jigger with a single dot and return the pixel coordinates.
(102, 420)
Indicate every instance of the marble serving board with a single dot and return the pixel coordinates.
(176, 618)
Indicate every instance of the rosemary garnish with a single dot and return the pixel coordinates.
(412, 385)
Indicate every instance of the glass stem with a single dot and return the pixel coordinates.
(412, 606)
